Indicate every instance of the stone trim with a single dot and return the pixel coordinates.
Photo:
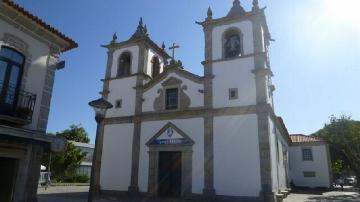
(186, 114)
(183, 99)
(143, 55)
(135, 41)
(209, 189)
(47, 93)
(109, 65)
(18, 44)
(24, 24)
(186, 168)
(234, 58)
(319, 143)
(163, 129)
(183, 73)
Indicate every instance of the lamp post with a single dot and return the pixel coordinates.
(100, 107)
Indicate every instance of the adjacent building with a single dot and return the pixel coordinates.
(310, 163)
(29, 58)
(86, 163)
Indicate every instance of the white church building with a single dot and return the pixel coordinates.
(174, 133)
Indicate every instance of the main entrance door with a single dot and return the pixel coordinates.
(8, 168)
(169, 174)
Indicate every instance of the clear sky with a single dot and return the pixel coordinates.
(315, 58)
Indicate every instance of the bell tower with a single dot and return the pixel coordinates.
(237, 73)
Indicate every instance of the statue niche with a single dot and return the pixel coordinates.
(232, 43)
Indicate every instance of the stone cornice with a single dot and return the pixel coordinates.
(233, 58)
(57, 143)
(189, 113)
(136, 41)
(32, 25)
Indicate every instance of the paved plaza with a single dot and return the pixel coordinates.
(79, 194)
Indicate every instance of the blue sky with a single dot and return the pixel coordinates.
(315, 58)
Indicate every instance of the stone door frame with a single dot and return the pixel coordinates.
(186, 161)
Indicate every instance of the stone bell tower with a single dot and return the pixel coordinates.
(237, 74)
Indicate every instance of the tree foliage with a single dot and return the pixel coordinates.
(75, 133)
(65, 163)
(343, 136)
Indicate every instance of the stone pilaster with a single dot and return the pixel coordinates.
(33, 173)
(209, 190)
(109, 65)
(263, 111)
(143, 54)
(45, 97)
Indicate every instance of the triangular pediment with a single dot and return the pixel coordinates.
(164, 77)
(170, 135)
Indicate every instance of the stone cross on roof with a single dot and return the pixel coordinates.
(173, 47)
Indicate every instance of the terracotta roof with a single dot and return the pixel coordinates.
(72, 44)
(300, 138)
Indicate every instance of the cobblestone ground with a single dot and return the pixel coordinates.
(79, 194)
(337, 195)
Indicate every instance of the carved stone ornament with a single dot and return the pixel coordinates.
(159, 101)
(184, 99)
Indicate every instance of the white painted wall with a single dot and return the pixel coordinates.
(278, 168)
(234, 74)
(217, 34)
(115, 170)
(122, 89)
(197, 98)
(319, 165)
(36, 71)
(134, 50)
(236, 156)
(194, 128)
(151, 54)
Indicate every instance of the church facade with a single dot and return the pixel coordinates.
(174, 133)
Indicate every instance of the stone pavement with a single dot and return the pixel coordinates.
(79, 194)
(333, 196)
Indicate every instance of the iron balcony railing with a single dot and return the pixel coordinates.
(17, 104)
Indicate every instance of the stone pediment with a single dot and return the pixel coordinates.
(170, 135)
(164, 77)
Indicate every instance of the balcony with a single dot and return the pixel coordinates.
(16, 107)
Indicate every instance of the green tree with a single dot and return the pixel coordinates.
(343, 136)
(64, 164)
(75, 133)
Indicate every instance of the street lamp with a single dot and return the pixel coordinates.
(100, 106)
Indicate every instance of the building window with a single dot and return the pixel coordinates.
(118, 103)
(155, 67)
(307, 154)
(233, 93)
(11, 68)
(124, 65)
(309, 174)
(171, 98)
(232, 42)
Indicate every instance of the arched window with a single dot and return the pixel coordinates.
(124, 64)
(232, 43)
(11, 68)
(155, 67)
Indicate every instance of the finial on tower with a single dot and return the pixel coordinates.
(209, 13)
(114, 38)
(141, 30)
(236, 10)
(255, 5)
(163, 46)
